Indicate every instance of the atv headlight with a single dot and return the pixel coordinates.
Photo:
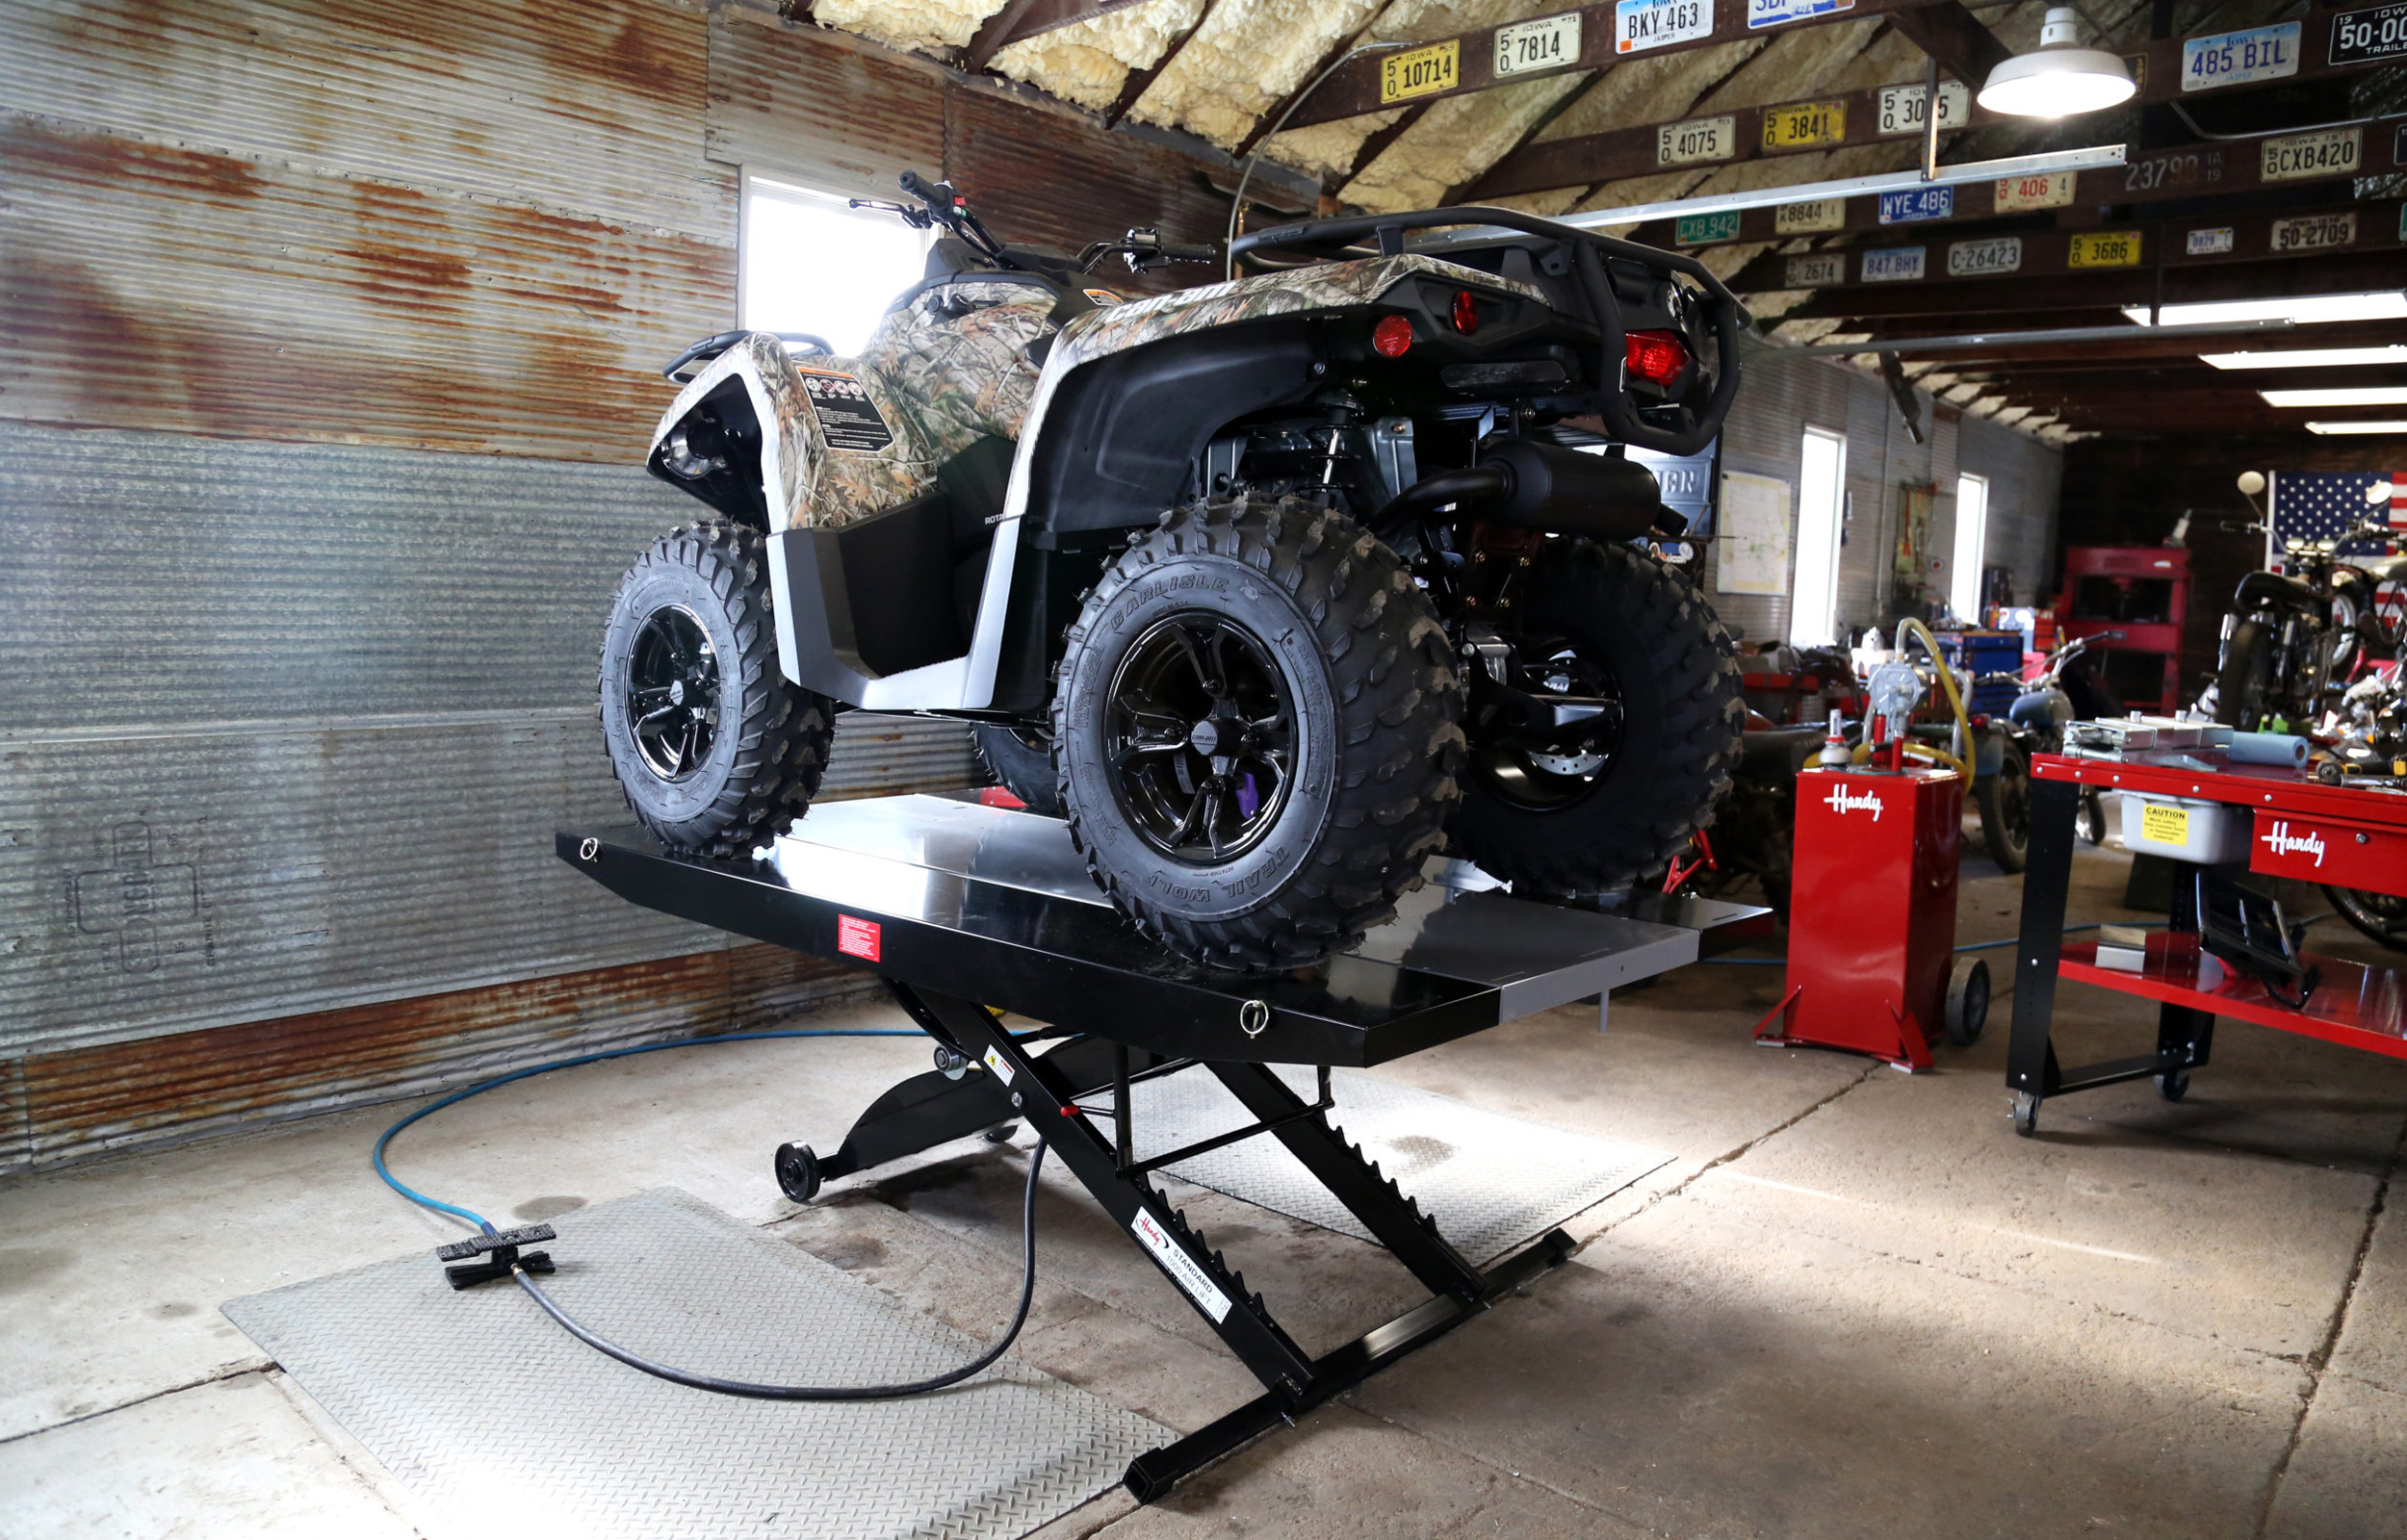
(679, 455)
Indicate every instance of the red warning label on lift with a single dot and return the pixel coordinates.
(856, 937)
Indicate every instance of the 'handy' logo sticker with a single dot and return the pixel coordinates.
(1842, 800)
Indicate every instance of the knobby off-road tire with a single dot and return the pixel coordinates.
(1331, 700)
(716, 751)
(1021, 759)
(2246, 694)
(1676, 672)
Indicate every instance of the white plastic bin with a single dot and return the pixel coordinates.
(2181, 828)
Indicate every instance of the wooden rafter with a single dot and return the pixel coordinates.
(1140, 81)
(1023, 19)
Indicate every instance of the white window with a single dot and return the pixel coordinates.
(808, 264)
(1821, 502)
(1971, 535)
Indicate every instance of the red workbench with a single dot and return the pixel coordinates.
(2347, 836)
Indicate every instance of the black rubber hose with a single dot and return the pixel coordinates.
(824, 1393)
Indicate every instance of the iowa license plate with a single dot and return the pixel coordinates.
(2104, 248)
(1908, 204)
(2236, 58)
(1550, 42)
(1421, 71)
(1895, 265)
(1703, 229)
(2301, 157)
(1804, 125)
(1700, 139)
(2053, 190)
(1982, 259)
(2314, 232)
(1904, 109)
(2364, 36)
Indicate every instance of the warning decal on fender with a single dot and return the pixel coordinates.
(848, 415)
(1180, 1266)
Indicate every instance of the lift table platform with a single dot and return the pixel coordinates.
(967, 910)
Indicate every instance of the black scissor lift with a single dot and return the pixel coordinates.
(967, 910)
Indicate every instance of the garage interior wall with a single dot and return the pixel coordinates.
(1764, 436)
(330, 355)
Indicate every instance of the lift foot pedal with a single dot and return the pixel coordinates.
(503, 1244)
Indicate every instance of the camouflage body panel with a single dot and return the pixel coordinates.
(936, 379)
(1327, 286)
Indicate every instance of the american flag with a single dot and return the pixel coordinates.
(2326, 505)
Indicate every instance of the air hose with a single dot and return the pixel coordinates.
(711, 1382)
(1956, 703)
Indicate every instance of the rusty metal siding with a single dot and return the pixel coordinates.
(840, 118)
(80, 1103)
(1054, 182)
(594, 108)
(144, 285)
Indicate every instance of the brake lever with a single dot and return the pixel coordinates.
(916, 219)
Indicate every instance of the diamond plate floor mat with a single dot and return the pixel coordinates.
(1490, 1181)
(500, 1422)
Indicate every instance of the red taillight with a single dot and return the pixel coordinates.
(1466, 312)
(1392, 336)
(1656, 357)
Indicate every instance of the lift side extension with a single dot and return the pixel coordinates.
(503, 1244)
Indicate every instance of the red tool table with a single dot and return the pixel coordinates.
(2348, 836)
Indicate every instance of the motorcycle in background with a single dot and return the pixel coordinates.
(2291, 640)
(2064, 691)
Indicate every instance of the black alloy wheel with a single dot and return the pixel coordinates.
(1201, 735)
(672, 693)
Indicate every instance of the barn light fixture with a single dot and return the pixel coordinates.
(2309, 358)
(2381, 304)
(2059, 77)
(2391, 424)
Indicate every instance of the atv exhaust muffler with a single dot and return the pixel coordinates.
(1529, 485)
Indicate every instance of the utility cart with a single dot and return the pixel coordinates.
(968, 910)
(2296, 827)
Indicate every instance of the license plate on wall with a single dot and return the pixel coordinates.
(1804, 125)
(1639, 25)
(1700, 139)
(1421, 71)
(1550, 42)
(1908, 204)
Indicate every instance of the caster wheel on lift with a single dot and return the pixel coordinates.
(1968, 1001)
(2173, 1085)
(797, 1173)
(1000, 1133)
(2026, 1114)
(2093, 822)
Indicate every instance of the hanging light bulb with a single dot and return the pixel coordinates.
(2059, 76)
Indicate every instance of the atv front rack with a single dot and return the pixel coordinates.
(967, 910)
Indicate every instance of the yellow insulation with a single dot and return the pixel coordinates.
(1087, 63)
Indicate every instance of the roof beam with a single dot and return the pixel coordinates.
(1140, 81)
(1638, 151)
(2350, 272)
(1364, 86)
(2177, 248)
(1955, 37)
(1023, 19)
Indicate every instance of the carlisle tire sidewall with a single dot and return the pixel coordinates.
(1231, 591)
(659, 586)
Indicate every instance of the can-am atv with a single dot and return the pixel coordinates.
(1270, 587)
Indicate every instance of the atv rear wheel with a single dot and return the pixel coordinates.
(1021, 758)
(1255, 725)
(1603, 621)
(716, 751)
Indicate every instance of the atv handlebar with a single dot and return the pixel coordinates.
(709, 348)
(1724, 316)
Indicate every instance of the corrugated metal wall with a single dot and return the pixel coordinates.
(1784, 394)
(327, 346)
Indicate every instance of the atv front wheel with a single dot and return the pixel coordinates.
(1558, 811)
(1257, 731)
(716, 751)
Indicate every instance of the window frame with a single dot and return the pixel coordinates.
(1965, 575)
(797, 189)
(1827, 607)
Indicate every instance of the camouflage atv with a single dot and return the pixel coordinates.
(1271, 588)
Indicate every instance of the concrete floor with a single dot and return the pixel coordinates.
(1856, 1305)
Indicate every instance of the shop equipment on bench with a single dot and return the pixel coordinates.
(2273, 820)
(967, 910)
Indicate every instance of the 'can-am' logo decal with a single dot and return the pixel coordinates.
(1842, 800)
